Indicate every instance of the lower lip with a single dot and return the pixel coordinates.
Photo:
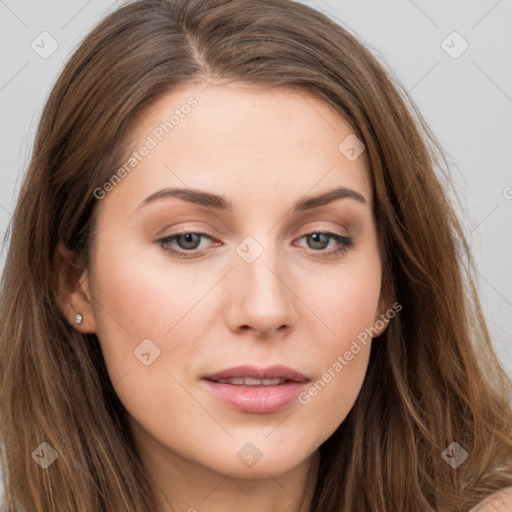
(256, 399)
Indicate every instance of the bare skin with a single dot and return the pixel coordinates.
(299, 303)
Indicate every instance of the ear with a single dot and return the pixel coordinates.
(386, 309)
(72, 289)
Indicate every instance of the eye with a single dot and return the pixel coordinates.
(187, 241)
(318, 241)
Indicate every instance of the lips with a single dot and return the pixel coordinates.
(254, 390)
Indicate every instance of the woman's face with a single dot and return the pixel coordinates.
(255, 284)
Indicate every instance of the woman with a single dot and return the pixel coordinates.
(234, 282)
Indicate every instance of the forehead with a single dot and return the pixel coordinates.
(245, 143)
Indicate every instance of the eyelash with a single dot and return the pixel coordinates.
(345, 243)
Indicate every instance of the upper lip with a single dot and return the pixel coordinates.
(272, 372)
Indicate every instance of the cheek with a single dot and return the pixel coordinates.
(149, 331)
(345, 302)
(137, 300)
(347, 307)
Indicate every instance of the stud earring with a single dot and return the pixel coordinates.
(78, 319)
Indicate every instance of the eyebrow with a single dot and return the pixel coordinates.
(221, 203)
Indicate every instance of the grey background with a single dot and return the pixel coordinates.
(466, 100)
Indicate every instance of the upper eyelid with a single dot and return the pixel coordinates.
(199, 232)
(345, 224)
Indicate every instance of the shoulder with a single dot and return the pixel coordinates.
(500, 501)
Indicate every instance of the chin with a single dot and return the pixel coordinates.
(258, 459)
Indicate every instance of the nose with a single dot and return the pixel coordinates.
(260, 296)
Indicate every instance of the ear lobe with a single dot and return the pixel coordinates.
(71, 289)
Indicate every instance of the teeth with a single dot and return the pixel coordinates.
(250, 381)
(235, 380)
(272, 382)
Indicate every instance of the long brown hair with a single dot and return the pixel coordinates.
(433, 377)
